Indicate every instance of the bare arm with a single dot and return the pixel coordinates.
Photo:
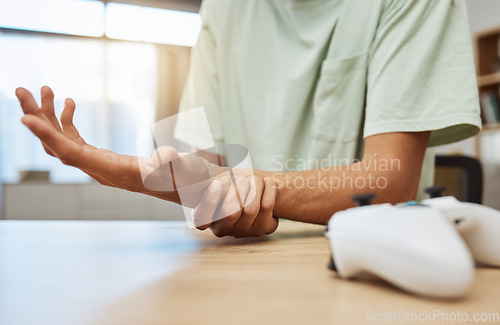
(308, 196)
(390, 168)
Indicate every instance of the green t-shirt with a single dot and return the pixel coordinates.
(301, 81)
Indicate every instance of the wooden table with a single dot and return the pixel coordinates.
(145, 273)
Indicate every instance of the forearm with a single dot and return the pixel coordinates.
(314, 195)
(390, 169)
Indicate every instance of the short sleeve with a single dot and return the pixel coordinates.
(421, 74)
(201, 88)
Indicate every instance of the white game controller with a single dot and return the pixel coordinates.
(415, 246)
(478, 225)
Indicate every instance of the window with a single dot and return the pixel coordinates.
(93, 18)
(113, 82)
(152, 25)
(73, 17)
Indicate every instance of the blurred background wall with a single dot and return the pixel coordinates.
(483, 14)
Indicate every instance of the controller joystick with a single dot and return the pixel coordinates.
(435, 191)
(363, 199)
(332, 266)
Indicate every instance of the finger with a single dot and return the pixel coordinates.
(71, 132)
(105, 166)
(48, 107)
(40, 127)
(67, 151)
(235, 193)
(226, 180)
(68, 127)
(56, 142)
(231, 209)
(243, 225)
(29, 106)
(205, 210)
(265, 222)
(28, 103)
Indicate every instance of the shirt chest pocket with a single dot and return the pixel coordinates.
(339, 99)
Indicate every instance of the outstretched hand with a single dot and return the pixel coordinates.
(240, 206)
(63, 141)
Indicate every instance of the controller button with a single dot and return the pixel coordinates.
(332, 265)
(363, 199)
(435, 191)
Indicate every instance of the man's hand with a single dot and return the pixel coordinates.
(242, 208)
(108, 168)
(247, 205)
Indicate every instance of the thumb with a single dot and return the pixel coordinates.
(37, 126)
